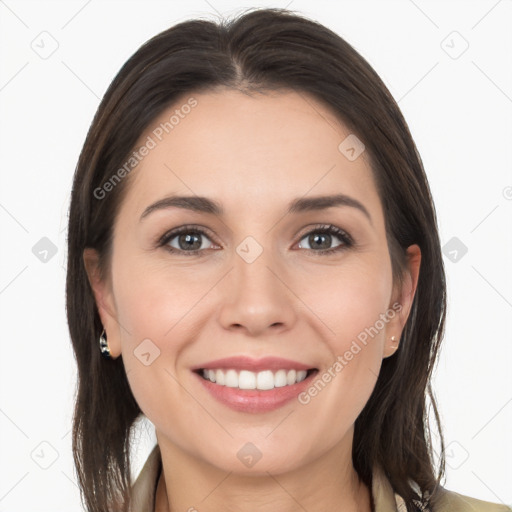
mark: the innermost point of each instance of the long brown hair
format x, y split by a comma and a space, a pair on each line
261, 49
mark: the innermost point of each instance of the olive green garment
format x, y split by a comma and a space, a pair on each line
144, 489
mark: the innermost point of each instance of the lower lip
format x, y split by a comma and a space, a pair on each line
255, 400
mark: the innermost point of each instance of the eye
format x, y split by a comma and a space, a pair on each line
320, 239
185, 240
189, 240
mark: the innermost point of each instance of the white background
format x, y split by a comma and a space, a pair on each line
459, 112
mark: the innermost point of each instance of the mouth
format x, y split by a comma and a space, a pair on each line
264, 388
263, 380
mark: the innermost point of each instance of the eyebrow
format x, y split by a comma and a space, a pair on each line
303, 204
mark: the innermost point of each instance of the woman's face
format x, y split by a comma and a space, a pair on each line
253, 283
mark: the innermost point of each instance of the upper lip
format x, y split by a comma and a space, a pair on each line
253, 365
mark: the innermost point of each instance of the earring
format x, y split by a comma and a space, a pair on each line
393, 339
104, 346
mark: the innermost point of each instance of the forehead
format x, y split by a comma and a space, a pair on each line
237, 147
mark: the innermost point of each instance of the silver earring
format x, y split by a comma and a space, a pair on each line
104, 346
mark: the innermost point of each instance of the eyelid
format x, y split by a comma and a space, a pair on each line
324, 227
171, 233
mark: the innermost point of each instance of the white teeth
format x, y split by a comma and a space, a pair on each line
291, 377
231, 379
263, 380
247, 380
301, 375
219, 377
280, 379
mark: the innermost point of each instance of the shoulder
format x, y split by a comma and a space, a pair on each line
144, 488
450, 501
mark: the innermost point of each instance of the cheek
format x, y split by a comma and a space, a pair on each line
160, 310
353, 303
154, 301
349, 299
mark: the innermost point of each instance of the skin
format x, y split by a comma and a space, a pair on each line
253, 155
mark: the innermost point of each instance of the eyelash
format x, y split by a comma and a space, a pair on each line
323, 228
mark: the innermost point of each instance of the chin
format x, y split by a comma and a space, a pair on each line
249, 460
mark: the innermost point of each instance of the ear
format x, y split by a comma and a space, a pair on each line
104, 297
402, 300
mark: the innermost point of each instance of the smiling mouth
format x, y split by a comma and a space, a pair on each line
262, 380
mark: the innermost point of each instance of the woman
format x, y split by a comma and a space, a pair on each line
254, 265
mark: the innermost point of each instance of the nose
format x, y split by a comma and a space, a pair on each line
257, 298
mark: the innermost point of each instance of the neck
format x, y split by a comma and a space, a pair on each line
328, 483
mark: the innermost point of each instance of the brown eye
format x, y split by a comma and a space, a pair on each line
188, 241
185, 240
320, 240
